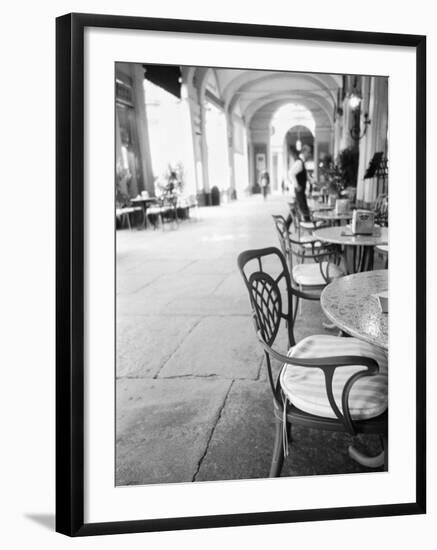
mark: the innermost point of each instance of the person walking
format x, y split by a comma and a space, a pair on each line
264, 183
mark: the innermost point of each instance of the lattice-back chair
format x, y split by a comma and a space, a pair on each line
326, 382
381, 210
321, 265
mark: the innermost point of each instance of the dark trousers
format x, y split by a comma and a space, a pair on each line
302, 206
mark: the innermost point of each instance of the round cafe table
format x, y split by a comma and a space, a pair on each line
349, 303
358, 248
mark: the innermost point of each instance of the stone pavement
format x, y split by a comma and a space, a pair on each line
192, 399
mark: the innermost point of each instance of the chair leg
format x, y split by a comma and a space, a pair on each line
369, 461
384, 443
278, 450
296, 305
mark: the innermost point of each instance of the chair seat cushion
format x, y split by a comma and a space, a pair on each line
308, 274
305, 386
154, 210
382, 247
311, 225
306, 241
127, 210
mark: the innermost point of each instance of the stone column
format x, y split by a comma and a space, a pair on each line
316, 158
375, 139
230, 137
363, 159
251, 162
203, 147
118, 153
194, 112
143, 134
338, 131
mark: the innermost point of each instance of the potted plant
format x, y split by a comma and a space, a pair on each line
347, 162
333, 181
123, 177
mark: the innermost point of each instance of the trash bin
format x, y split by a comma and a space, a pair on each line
215, 196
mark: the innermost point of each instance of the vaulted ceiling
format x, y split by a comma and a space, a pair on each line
256, 95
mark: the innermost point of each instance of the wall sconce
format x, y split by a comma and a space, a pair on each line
354, 101
355, 131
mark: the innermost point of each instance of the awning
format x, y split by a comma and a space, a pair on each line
167, 77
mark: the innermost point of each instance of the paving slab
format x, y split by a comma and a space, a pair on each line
153, 298
128, 283
183, 317
163, 428
144, 344
213, 304
233, 286
217, 346
224, 264
314, 452
242, 442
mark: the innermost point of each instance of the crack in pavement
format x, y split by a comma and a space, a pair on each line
219, 415
177, 348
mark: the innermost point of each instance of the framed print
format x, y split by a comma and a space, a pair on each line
240, 274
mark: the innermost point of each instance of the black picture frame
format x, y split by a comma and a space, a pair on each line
70, 272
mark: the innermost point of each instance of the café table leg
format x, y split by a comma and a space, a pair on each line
358, 259
145, 216
367, 258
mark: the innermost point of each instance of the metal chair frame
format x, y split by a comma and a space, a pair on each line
305, 250
268, 313
297, 222
381, 210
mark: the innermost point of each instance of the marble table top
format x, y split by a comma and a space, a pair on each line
343, 235
349, 303
331, 215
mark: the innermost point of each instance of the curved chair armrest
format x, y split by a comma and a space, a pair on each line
310, 248
346, 393
305, 295
328, 365
322, 363
312, 254
320, 224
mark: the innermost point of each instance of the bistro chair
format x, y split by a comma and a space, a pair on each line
164, 210
303, 227
381, 210
322, 267
124, 214
382, 250
326, 382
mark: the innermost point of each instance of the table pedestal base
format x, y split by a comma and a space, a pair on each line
358, 258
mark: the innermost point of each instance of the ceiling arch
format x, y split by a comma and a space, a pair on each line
265, 108
249, 85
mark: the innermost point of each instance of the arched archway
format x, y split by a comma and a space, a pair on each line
291, 125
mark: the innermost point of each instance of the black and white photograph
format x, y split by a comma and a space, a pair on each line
252, 261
